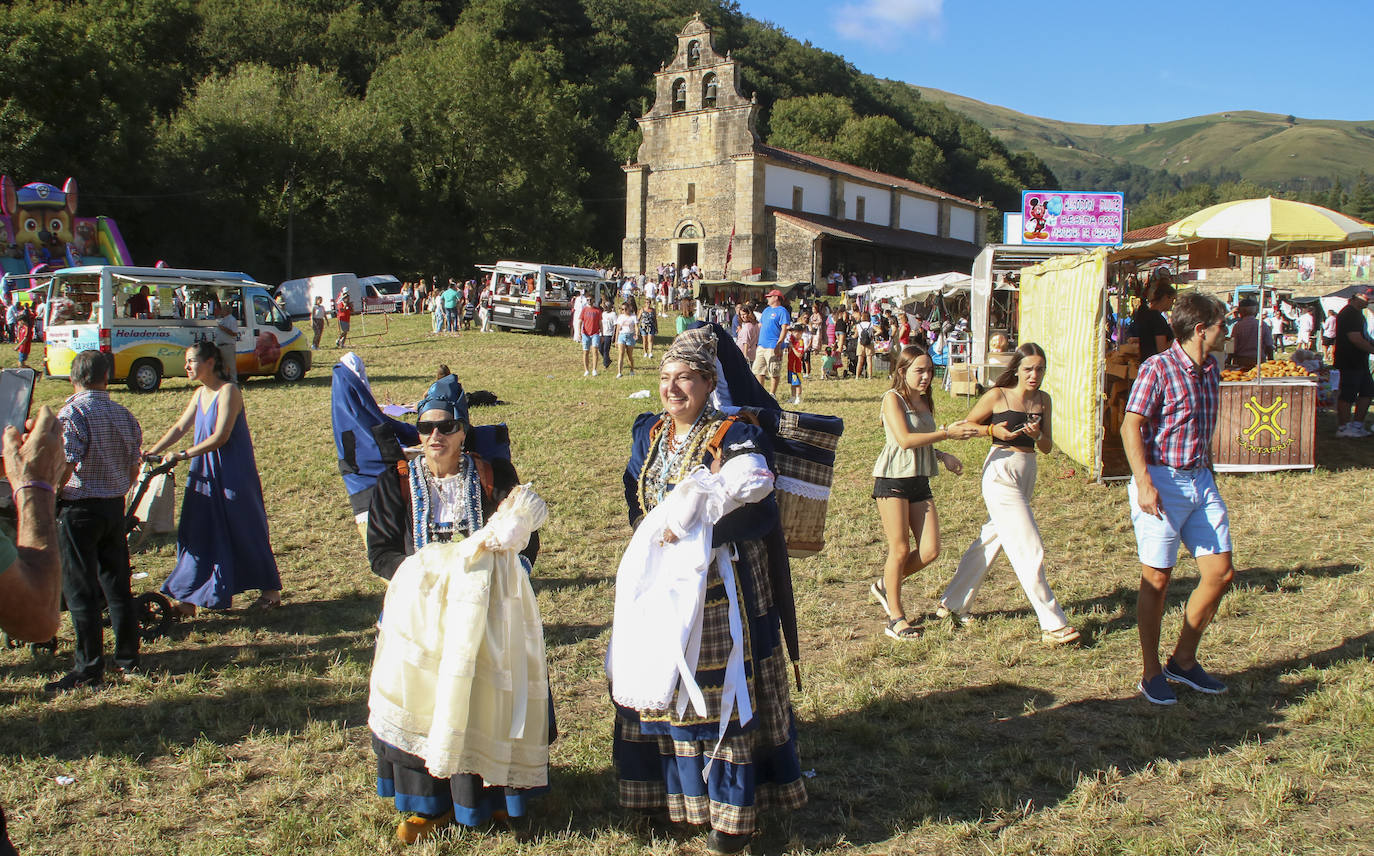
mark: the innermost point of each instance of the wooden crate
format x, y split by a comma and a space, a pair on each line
1266, 426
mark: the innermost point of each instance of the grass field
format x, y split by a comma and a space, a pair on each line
249, 735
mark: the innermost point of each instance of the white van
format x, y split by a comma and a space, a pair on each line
538, 297
146, 318
379, 293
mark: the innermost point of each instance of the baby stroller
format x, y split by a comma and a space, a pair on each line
154, 610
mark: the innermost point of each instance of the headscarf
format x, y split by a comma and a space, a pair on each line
446, 394
696, 348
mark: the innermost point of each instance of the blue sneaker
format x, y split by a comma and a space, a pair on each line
1196, 677
1157, 691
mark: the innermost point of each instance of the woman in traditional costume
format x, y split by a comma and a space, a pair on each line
460, 712
704, 721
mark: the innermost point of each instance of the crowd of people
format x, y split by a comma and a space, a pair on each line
704, 728
815, 342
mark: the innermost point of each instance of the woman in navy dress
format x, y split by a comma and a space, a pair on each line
222, 542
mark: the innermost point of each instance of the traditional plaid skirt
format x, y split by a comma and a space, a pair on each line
660, 758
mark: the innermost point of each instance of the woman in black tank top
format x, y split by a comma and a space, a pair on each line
1015, 413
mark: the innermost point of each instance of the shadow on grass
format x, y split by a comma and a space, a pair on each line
571, 634
962, 755
552, 584
968, 754
1122, 599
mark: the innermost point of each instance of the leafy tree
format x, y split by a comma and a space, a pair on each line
263, 146
490, 133
347, 37
812, 124
1362, 199
82, 82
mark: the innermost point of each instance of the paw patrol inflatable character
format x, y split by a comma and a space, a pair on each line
41, 216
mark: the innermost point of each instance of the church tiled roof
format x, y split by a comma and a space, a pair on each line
871, 233
805, 160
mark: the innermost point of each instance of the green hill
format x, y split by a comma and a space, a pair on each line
1279, 151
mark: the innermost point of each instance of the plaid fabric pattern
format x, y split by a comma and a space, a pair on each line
715, 641
771, 732
801, 469
790, 425
1180, 401
102, 438
775, 728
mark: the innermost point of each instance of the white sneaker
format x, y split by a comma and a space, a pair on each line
593, 372
1351, 429
1359, 430
618, 374
585, 373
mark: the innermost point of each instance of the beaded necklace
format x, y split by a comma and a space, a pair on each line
459, 494
668, 462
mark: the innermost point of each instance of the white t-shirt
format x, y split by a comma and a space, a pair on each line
228, 327
626, 324
607, 324
1305, 326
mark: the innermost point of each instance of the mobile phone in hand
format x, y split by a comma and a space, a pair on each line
16, 396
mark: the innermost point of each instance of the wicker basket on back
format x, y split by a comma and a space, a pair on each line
804, 453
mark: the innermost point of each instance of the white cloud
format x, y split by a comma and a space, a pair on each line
883, 22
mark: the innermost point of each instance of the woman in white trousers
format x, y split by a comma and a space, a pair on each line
1016, 415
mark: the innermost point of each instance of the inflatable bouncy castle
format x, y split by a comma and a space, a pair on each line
39, 230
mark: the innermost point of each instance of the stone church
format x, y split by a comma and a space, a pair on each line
705, 187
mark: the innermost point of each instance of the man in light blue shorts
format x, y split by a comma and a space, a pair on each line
1167, 434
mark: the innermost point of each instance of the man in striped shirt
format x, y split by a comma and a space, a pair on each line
1167, 434
101, 440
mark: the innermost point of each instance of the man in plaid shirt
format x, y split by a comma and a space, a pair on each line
1167, 434
101, 440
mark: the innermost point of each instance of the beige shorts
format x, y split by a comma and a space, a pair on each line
767, 363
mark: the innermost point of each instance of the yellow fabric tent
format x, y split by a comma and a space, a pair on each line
1063, 310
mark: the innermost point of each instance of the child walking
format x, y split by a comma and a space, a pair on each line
901, 482
796, 357
23, 335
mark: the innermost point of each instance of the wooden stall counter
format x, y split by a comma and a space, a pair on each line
1266, 426
1122, 367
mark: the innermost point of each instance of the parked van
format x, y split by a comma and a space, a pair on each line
531, 296
102, 307
378, 293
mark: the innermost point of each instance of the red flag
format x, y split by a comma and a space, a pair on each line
729, 251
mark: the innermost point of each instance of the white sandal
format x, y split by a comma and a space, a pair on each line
1063, 636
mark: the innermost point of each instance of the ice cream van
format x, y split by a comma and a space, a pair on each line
539, 297
146, 318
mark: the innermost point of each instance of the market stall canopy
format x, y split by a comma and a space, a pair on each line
1257, 227
1343, 293
709, 287
920, 287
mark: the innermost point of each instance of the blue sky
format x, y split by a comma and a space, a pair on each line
1111, 61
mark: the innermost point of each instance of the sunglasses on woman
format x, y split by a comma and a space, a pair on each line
443, 426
